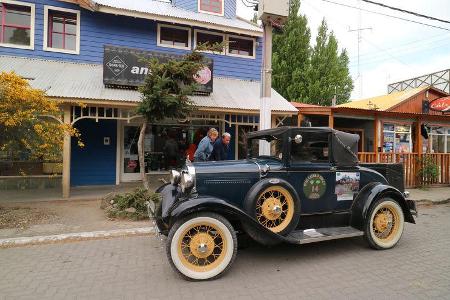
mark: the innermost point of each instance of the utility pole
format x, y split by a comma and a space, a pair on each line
359, 31
271, 12
265, 113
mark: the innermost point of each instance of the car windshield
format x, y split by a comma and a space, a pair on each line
276, 147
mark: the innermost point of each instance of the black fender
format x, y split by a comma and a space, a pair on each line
223, 208
370, 193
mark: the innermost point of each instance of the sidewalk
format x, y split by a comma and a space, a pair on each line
432, 194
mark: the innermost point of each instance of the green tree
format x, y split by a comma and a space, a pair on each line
165, 94
328, 72
291, 55
305, 74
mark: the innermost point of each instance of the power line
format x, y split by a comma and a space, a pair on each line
407, 11
249, 3
386, 15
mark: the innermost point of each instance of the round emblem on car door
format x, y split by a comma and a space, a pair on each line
314, 186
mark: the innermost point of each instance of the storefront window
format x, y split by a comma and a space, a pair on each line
440, 140
166, 146
397, 138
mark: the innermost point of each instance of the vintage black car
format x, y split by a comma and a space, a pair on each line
310, 188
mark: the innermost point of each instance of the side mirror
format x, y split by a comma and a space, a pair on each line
298, 139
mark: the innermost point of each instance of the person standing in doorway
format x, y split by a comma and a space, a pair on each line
221, 148
205, 147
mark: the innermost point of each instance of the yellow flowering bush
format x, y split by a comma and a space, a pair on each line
29, 120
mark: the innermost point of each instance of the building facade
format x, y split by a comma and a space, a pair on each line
402, 126
85, 54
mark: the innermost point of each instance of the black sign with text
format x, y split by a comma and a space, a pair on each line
128, 67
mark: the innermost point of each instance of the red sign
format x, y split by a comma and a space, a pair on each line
441, 104
132, 164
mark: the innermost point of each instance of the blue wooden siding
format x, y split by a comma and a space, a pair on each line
230, 6
95, 163
98, 29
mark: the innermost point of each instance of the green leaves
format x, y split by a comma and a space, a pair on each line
309, 74
167, 87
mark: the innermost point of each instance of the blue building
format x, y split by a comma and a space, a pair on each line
88, 51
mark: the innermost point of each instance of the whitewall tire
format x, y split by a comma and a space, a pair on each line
201, 246
385, 224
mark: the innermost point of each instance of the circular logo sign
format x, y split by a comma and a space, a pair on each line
314, 186
203, 76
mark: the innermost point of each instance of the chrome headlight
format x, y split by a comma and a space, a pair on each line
187, 179
187, 182
175, 177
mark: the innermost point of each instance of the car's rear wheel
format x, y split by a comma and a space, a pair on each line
384, 226
202, 246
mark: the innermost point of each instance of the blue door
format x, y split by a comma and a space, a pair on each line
95, 163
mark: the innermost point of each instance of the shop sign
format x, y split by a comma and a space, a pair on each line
441, 104
128, 67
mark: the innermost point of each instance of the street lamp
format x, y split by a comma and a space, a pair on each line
271, 13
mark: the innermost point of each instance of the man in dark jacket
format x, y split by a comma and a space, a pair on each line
221, 148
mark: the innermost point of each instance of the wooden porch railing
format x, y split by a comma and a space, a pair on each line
411, 165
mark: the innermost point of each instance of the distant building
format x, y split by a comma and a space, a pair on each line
397, 127
88, 51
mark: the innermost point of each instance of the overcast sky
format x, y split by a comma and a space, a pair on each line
392, 50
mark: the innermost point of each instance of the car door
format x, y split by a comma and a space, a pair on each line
310, 170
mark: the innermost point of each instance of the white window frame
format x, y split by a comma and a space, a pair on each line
158, 36
212, 33
209, 12
243, 38
32, 20
50, 49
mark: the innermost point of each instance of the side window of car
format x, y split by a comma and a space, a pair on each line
310, 148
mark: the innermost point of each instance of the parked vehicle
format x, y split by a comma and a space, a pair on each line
309, 189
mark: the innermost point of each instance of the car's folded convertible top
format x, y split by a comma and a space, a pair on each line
344, 145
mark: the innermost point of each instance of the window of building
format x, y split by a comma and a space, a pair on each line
215, 7
174, 36
62, 30
208, 38
397, 138
440, 140
17, 24
313, 148
241, 46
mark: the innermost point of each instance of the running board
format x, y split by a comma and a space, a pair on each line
322, 234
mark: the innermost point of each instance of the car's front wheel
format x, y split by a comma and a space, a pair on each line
202, 246
384, 226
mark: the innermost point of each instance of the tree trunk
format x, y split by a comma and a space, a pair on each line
142, 156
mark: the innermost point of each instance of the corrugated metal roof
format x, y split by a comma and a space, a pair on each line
383, 102
168, 10
85, 81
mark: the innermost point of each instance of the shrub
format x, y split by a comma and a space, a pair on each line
132, 205
428, 170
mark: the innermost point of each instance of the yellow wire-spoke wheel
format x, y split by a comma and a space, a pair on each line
275, 208
202, 247
386, 223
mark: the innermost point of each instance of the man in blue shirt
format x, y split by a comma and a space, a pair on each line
205, 147
221, 148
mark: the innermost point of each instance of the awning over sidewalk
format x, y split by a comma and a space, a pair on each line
73, 81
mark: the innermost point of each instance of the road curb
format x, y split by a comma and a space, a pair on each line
432, 202
76, 236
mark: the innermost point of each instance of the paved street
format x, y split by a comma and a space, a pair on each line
136, 267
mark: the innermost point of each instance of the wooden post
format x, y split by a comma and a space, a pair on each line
331, 120
419, 141
300, 119
376, 138
66, 156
